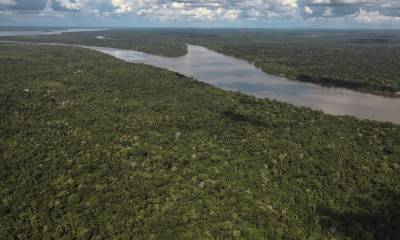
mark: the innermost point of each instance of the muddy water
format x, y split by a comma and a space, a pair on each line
234, 74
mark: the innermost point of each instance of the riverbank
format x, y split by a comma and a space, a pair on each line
94, 146
329, 58
234, 74
365, 61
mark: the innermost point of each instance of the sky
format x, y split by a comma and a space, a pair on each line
202, 13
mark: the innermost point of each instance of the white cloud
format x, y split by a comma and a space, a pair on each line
339, 1
123, 6
290, 3
232, 15
231, 10
7, 2
365, 16
357, 11
205, 9
308, 10
75, 5
48, 10
328, 12
178, 5
319, 2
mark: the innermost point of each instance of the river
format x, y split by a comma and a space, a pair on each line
8, 33
238, 75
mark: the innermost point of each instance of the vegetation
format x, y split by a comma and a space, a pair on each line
145, 40
363, 60
93, 147
366, 61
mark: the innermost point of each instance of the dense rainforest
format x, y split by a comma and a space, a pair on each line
96, 148
363, 60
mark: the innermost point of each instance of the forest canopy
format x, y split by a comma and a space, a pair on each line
363, 60
96, 148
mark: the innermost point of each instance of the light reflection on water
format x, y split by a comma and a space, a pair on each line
234, 74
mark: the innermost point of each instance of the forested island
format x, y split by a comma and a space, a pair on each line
362, 60
96, 148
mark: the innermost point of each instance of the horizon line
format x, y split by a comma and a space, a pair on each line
201, 27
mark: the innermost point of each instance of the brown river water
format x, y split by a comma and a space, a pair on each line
238, 75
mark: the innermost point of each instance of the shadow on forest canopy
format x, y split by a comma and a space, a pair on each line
367, 216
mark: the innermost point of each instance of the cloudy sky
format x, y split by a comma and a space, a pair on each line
203, 13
